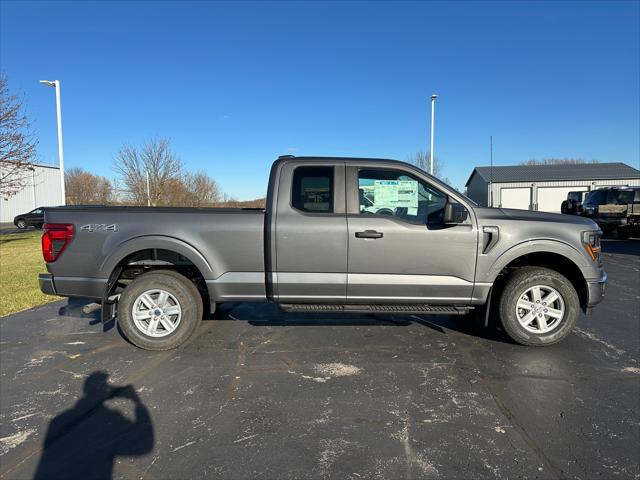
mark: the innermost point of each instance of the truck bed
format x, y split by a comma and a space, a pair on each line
226, 245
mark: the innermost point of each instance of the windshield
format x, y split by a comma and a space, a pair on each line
596, 197
624, 197
609, 197
575, 196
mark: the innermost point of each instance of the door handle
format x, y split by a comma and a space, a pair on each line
369, 234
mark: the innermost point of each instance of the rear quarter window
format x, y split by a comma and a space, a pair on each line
312, 189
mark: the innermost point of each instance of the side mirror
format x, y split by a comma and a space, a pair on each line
454, 213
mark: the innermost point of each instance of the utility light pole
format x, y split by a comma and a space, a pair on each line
33, 185
433, 108
148, 190
56, 84
491, 171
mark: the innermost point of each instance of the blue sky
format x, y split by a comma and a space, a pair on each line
234, 85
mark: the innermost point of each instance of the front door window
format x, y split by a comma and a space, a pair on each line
397, 194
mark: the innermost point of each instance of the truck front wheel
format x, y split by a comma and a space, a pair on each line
538, 306
159, 310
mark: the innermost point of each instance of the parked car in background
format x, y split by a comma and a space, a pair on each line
573, 204
34, 218
337, 235
614, 209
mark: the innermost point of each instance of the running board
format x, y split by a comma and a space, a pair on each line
417, 308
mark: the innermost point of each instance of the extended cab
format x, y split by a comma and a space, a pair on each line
337, 235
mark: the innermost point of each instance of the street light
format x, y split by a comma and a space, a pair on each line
148, 190
56, 84
433, 108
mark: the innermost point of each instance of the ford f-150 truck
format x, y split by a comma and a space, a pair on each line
337, 235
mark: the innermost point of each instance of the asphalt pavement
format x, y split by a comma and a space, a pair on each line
263, 394
6, 228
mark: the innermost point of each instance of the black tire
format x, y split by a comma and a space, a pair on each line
21, 224
185, 294
517, 284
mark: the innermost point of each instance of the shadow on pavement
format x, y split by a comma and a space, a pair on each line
622, 247
270, 315
261, 315
84, 441
74, 308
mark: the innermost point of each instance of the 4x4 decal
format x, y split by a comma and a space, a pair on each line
97, 227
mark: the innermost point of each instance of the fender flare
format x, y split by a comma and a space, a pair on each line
162, 242
535, 246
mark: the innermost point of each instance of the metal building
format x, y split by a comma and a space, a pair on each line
543, 187
43, 190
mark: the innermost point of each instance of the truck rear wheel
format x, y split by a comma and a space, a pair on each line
538, 306
159, 310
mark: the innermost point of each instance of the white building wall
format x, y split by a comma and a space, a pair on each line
588, 185
42, 190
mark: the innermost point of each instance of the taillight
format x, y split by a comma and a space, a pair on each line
55, 239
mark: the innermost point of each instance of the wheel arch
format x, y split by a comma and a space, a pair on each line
141, 255
155, 242
552, 255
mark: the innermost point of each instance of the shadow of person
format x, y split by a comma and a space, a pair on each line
84, 441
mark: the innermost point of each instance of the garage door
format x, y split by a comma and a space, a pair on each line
550, 198
515, 198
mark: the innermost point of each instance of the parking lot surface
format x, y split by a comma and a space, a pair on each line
263, 394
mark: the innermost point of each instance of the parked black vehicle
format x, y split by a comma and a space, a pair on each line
34, 218
573, 204
632, 227
613, 209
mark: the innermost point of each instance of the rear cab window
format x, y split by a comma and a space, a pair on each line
312, 189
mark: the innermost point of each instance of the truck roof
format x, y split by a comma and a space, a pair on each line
337, 159
286, 158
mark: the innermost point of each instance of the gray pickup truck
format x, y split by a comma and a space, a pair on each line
337, 235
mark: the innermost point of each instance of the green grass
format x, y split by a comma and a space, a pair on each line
20, 262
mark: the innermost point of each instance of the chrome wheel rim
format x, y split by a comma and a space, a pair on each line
156, 313
540, 309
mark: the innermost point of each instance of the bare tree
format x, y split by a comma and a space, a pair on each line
201, 188
558, 161
84, 188
17, 144
421, 160
193, 190
156, 159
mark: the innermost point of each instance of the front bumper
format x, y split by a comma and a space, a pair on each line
46, 283
596, 290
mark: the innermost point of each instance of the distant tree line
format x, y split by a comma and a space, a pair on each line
151, 174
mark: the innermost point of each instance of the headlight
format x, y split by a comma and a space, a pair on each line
591, 242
